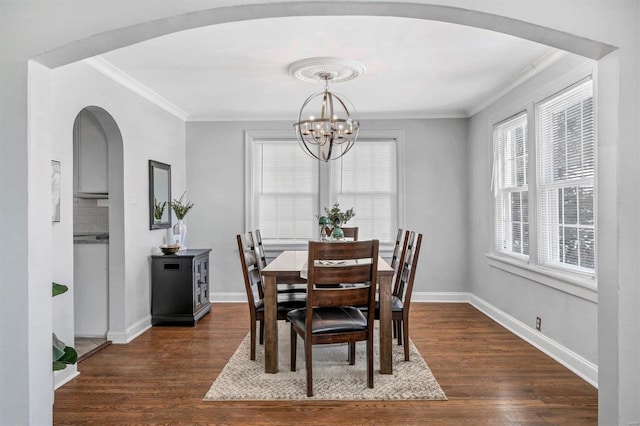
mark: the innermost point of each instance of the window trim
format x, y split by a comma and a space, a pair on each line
571, 282
398, 135
540, 186
503, 192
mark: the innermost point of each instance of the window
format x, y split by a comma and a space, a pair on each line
566, 152
544, 190
365, 179
286, 188
511, 186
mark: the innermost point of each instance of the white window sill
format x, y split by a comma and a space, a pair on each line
580, 286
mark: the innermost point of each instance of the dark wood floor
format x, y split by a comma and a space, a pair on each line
489, 375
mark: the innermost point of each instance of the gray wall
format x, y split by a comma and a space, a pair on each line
567, 319
435, 197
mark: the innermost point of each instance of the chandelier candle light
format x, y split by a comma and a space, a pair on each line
331, 133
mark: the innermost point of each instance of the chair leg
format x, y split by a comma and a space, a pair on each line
262, 332
405, 330
294, 344
252, 332
370, 362
352, 353
308, 364
399, 328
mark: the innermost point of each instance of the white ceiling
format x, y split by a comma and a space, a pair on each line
414, 68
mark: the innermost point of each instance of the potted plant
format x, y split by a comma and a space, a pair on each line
63, 355
337, 218
180, 207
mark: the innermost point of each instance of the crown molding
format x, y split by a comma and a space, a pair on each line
399, 115
524, 75
116, 74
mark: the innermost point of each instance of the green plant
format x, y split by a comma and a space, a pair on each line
180, 207
63, 355
337, 217
158, 208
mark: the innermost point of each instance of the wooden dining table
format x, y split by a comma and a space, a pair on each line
286, 268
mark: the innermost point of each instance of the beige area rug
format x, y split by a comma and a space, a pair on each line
333, 377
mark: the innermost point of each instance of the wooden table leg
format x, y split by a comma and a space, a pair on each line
386, 340
270, 325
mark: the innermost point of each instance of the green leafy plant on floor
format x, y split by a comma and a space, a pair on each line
63, 355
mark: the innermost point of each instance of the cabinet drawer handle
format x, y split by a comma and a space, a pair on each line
171, 266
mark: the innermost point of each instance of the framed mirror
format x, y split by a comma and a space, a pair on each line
159, 195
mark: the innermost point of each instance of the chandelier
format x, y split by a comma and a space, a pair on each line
326, 128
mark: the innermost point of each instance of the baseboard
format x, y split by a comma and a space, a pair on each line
441, 297
130, 333
64, 376
573, 361
231, 297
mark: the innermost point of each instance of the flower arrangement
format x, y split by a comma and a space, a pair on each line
180, 207
158, 208
336, 217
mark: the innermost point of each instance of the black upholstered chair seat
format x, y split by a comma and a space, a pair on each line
331, 319
286, 303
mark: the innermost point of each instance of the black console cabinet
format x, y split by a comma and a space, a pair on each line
180, 287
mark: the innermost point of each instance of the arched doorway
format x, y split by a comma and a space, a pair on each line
99, 238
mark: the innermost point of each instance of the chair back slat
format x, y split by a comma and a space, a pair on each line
340, 273
404, 282
262, 259
396, 251
250, 270
342, 296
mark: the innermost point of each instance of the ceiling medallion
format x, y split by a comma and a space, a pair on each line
328, 132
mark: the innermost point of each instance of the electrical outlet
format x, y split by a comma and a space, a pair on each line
538, 323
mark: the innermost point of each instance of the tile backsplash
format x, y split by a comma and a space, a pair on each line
90, 216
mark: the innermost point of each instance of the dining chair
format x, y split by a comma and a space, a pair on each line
330, 315
402, 290
295, 286
351, 232
255, 290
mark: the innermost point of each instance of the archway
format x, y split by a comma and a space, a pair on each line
110, 305
118, 38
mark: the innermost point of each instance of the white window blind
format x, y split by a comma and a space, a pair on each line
285, 190
366, 179
511, 186
566, 152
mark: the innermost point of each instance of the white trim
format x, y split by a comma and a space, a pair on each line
381, 115
227, 297
525, 74
130, 333
109, 70
62, 377
573, 361
577, 285
441, 297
